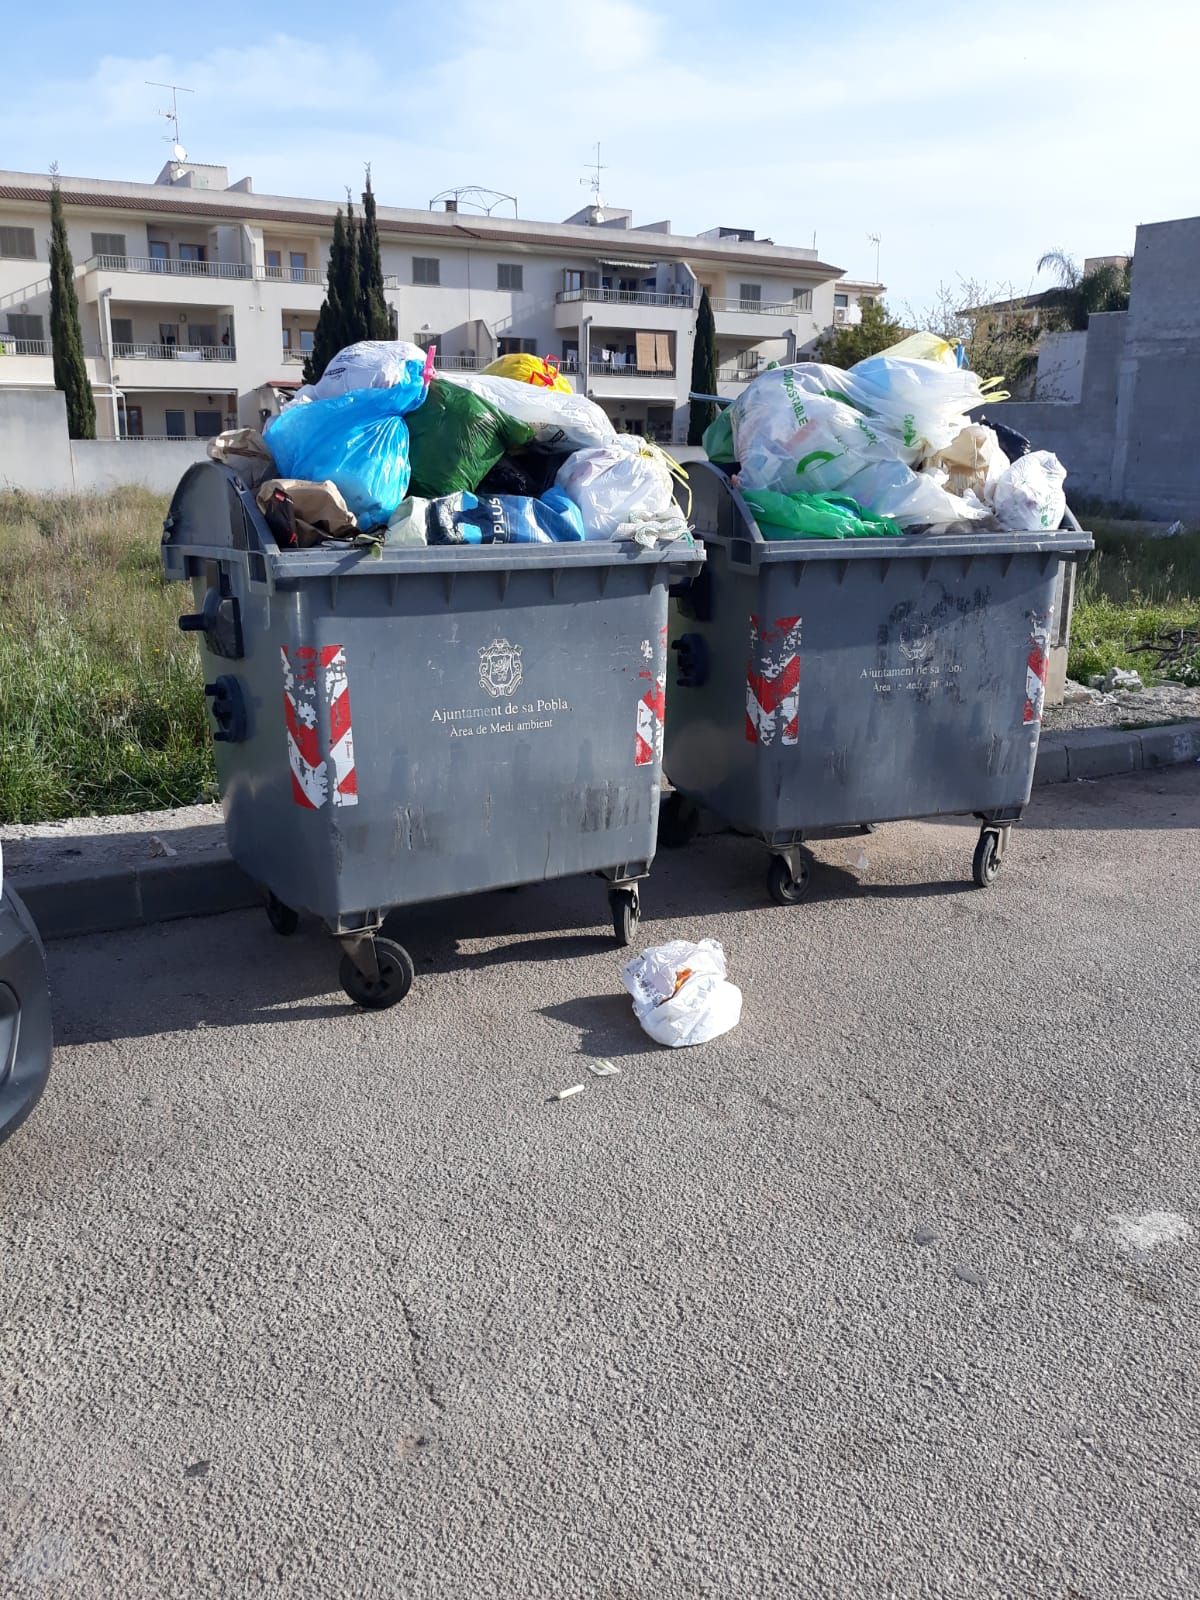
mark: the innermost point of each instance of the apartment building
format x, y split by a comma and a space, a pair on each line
199, 298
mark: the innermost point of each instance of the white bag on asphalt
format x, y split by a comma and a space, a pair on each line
626, 480
1029, 495
680, 993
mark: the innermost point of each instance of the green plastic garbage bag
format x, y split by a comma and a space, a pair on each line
456, 438
718, 437
815, 516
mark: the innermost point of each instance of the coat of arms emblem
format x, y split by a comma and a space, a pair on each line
500, 668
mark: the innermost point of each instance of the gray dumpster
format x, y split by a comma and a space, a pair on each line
414, 723
837, 683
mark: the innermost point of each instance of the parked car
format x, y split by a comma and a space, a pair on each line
26, 1039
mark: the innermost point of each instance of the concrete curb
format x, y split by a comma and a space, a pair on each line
104, 898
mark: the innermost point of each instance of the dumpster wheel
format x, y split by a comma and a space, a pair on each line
989, 856
390, 981
282, 918
785, 886
626, 914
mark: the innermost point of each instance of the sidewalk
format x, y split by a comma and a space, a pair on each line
96, 874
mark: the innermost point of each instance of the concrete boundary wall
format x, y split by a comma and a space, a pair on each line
37, 456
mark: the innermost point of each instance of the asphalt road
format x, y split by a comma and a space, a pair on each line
891, 1292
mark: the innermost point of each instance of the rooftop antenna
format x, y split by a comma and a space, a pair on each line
172, 116
593, 183
873, 238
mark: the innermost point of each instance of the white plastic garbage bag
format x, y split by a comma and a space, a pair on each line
369, 364
891, 489
627, 480
681, 995
924, 403
1029, 494
571, 419
974, 461
785, 431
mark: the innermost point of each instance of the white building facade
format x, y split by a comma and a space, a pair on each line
199, 298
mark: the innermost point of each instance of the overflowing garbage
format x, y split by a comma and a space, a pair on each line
384, 449
885, 446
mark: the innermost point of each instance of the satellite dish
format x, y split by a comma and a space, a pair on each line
179, 152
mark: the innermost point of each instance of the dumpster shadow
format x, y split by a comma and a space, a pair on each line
606, 1023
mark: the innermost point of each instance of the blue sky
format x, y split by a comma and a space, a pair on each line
970, 137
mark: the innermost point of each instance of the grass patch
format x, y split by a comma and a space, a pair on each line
1136, 595
101, 697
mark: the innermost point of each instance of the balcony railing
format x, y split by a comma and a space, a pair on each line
174, 352
738, 374
23, 347
766, 308
626, 297
295, 357
241, 270
617, 369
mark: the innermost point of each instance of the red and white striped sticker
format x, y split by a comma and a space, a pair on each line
1037, 664
773, 682
652, 705
316, 694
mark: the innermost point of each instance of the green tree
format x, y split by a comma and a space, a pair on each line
66, 335
1079, 294
372, 307
704, 371
842, 347
334, 319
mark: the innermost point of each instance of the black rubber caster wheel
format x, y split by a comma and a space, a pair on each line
678, 820
626, 915
783, 888
395, 978
866, 827
282, 918
985, 868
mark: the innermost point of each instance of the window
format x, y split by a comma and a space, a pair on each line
109, 244
306, 338
194, 253
517, 347
424, 340
426, 269
168, 333
25, 327
208, 424
866, 299
287, 338
17, 244
202, 334
510, 276
750, 294
176, 424
274, 263
841, 301
122, 330
160, 251
802, 299
570, 353
298, 261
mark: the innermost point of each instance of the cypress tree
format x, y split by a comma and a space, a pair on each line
704, 371
373, 308
329, 337
66, 335
353, 326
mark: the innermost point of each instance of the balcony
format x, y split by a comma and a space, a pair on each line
633, 308
23, 347
625, 297
295, 357
171, 267
757, 319
612, 380
174, 352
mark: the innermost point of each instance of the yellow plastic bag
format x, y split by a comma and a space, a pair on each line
541, 371
923, 347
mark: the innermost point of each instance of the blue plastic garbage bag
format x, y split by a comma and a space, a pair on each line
359, 441
466, 518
